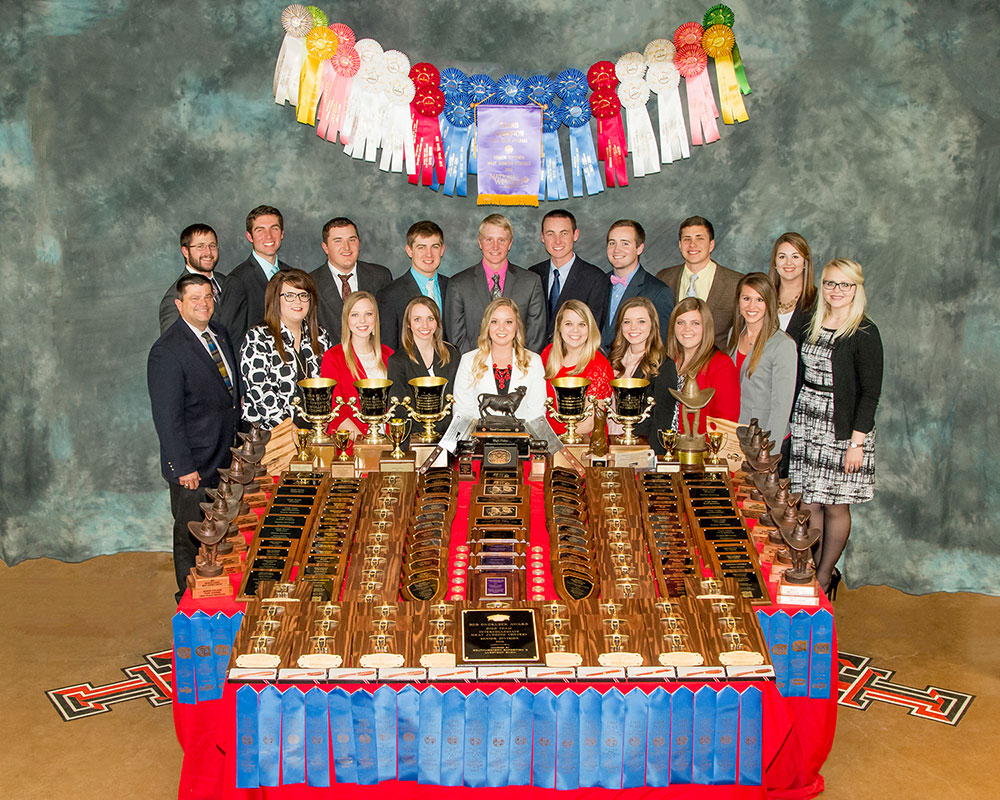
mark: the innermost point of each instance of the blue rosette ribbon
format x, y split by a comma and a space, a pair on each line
541, 89
512, 90
454, 82
482, 88
575, 115
552, 183
571, 83
456, 130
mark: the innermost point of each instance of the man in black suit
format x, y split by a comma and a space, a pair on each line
424, 246
566, 276
243, 300
200, 249
343, 273
193, 383
626, 241
473, 289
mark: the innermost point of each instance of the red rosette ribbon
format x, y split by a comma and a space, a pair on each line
611, 146
688, 33
428, 103
424, 75
602, 76
690, 60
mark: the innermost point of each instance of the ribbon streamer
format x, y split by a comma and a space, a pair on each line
429, 737
385, 732
702, 745
204, 663
821, 654
222, 640
429, 163
702, 112
727, 723
363, 718
184, 685
798, 654
293, 736
723, 15
612, 734
366, 109
718, 43
247, 741
317, 738
452, 737
408, 715
552, 183
664, 80
476, 747
658, 739
520, 737
575, 114
456, 131
778, 640
398, 145
345, 763
269, 732
337, 77
590, 737
498, 736
568, 731
751, 737
297, 22
612, 147
543, 759
634, 773
321, 44
634, 94
681, 734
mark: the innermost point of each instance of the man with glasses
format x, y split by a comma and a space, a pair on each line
200, 249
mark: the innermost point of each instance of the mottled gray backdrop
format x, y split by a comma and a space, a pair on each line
873, 131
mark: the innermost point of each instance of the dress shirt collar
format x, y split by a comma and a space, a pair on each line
703, 284
270, 270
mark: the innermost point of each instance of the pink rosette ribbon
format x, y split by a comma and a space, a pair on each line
338, 76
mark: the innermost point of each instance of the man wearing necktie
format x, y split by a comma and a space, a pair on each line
626, 242
343, 273
471, 290
194, 393
424, 247
200, 250
243, 298
700, 276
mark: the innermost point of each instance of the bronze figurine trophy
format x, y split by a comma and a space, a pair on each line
316, 406
570, 406
691, 446
629, 409
208, 578
374, 407
429, 405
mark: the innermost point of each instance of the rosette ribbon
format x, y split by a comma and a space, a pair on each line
457, 129
321, 44
481, 88
601, 76
429, 165
718, 42
366, 108
575, 114
723, 15
606, 107
337, 76
297, 22
664, 80
552, 184
634, 94
691, 62
397, 137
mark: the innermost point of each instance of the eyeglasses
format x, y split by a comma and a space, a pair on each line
200, 247
842, 285
302, 297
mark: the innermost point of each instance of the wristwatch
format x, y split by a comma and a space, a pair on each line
854, 445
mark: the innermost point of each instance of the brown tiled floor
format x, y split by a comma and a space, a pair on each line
71, 623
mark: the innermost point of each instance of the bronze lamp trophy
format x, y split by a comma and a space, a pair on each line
430, 404
629, 409
570, 406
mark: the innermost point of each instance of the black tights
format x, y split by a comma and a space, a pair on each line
835, 523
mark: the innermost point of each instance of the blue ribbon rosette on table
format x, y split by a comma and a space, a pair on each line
574, 113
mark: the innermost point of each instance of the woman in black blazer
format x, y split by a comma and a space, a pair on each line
422, 353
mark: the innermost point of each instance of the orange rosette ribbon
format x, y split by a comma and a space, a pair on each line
321, 44
718, 41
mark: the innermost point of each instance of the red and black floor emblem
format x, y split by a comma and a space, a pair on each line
151, 681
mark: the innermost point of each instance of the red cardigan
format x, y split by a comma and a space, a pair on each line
720, 373
599, 372
335, 366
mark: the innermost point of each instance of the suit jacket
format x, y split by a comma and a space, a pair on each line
194, 413
402, 369
586, 282
392, 300
371, 278
467, 391
468, 296
168, 309
721, 297
243, 299
643, 284
769, 392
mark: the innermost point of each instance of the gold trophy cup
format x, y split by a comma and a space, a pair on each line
316, 405
629, 409
399, 429
668, 438
715, 442
570, 407
430, 404
374, 407
341, 439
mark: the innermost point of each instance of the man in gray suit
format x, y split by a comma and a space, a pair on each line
470, 291
200, 250
700, 276
343, 273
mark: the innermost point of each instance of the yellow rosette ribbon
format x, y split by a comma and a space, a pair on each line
321, 44
718, 42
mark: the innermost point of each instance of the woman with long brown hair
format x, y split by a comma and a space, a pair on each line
791, 273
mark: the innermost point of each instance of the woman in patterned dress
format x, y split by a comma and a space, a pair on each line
285, 348
574, 353
833, 424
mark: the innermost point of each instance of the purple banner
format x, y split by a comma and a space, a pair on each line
510, 154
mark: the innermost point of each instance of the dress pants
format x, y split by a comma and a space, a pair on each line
184, 505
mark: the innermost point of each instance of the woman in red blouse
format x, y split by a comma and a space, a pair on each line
359, 355
574, 353
690, 343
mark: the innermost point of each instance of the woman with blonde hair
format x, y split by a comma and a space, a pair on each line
574, 353
691, 345
500, 364
833, 424
359, 355
765, 356
791, 274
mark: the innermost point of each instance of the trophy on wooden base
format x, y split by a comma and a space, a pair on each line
668, 461
207, 577
691, 445
570, 406
629, 409
398, 460
429, 406
374, 407
316, 406
303, 461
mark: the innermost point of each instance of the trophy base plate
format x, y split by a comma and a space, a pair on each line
208, 587
342, 469
720, 467
667, 466
367, 456
406, 464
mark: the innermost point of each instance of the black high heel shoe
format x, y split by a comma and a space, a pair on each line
831, 592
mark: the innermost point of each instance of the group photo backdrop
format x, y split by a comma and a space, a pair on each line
872, 132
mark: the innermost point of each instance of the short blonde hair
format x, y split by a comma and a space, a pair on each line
500, 221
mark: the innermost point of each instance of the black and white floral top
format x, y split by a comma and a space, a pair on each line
269, 383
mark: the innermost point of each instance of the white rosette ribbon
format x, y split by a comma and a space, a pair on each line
634, 93
363, 118
398, 144
297, 22
664, 80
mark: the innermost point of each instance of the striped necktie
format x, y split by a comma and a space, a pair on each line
217, 358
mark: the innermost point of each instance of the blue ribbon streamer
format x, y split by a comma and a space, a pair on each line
821, 654
476, 719
612, 733
568, 731
634, 774
452, 737
184, 688
575, 114
247, 739
543, 770
552, 183
681, 734
317, 738
345, 763
204, 663
385, 732
704, 735
222, 641
590, 738
407, 741
798, 654
498, 735
235, 621
363, 716
293, 737
457, 136
751, 737
520, 737
269, 733
779, 638
727, 736
765, 624
429, 737
658, 739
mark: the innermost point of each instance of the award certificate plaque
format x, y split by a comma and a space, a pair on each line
499, 636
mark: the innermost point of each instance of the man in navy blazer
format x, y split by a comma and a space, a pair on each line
243, 300
195, 404
343, 273
473, 289
566, 276
200, 251
626, 241
424, 246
